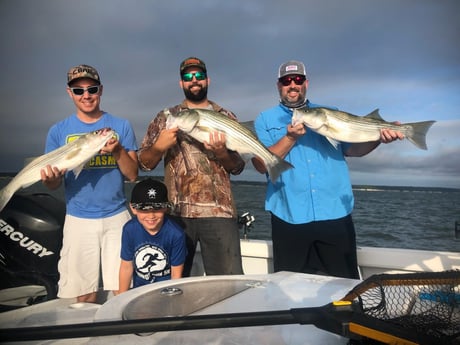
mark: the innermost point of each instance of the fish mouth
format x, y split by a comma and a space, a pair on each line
103, 131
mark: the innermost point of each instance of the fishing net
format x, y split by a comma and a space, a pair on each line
424, 307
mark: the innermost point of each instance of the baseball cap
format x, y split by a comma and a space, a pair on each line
291, 67
82, 71
192, 62
150, 194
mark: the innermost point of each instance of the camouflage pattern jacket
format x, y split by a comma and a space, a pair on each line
198, 185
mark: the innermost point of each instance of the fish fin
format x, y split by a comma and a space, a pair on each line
73, 153
277, 167
418, 134
77, 170
333, 142
246, 156
375, 115
249, 125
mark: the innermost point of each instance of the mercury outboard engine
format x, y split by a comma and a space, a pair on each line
31, 238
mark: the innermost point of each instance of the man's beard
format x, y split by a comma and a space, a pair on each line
196, 97
297, 104
300, 102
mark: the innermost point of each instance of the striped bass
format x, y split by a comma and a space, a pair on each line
72, 156
341, 126
199, 123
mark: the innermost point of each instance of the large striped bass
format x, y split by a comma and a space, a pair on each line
72, 156
199, 123
341, 126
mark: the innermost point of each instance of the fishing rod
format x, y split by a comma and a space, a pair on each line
404, 309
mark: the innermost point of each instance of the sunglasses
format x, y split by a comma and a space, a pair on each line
198, 76
92, 90
297, 79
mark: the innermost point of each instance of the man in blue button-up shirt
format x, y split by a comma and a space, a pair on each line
311, 204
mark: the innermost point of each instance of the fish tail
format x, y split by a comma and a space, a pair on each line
276, 167
5, 196
418, 134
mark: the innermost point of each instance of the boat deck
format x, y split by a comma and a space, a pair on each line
200, 296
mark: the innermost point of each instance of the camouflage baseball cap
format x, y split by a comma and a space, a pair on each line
192, 62
82, 71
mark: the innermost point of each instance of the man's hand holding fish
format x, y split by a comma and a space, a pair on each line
51, 176
388, 135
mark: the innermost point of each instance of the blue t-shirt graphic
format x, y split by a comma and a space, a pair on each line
152, 255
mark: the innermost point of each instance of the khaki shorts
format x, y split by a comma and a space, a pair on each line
90, 247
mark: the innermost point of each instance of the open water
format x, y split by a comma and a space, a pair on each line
397, 217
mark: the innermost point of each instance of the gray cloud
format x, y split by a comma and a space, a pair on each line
399, 56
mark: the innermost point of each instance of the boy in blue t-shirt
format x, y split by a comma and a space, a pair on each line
152, 246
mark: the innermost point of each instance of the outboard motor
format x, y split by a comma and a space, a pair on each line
31, 239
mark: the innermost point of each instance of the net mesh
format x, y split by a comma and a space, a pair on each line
426, 304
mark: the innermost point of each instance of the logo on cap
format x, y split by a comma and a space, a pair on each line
82, 71
152, 193
291, 68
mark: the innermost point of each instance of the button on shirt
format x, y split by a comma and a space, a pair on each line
318, 187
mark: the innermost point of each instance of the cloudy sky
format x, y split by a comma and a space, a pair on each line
401, 56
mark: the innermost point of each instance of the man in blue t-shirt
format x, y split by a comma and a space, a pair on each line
311, 204
96, 207
153, 246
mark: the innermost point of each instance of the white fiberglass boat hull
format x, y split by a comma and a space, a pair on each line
271, 292
257, 256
